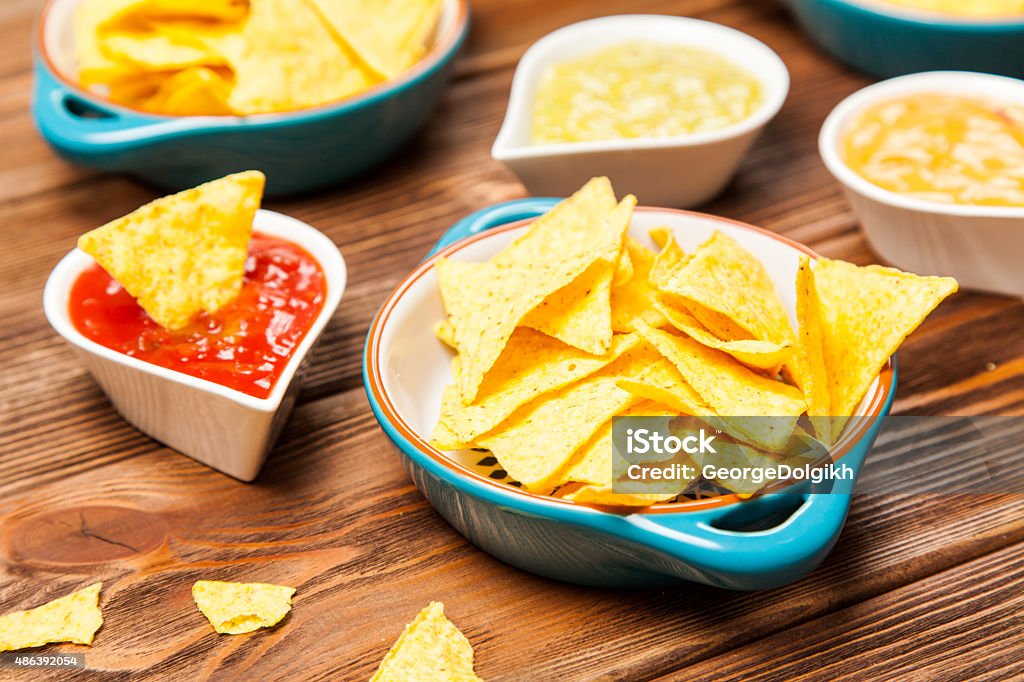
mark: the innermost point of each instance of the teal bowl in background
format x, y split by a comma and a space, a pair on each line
298, 151
891, 41
760, 543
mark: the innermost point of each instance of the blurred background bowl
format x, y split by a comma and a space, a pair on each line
981, 246
298, 151
887, 40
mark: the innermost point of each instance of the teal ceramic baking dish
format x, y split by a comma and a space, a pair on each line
759, 543
298, 151
887, 40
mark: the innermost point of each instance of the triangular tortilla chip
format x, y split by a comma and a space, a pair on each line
532, 365
663, 384
809, 362
759, 355
868, 312
237, 608
486, 301
184, 253
724, 278
537, 441
430, 649
580, 313
389, 36
765, 410
73, 618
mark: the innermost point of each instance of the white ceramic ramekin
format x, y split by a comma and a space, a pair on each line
218, 426
680, 171
981, 246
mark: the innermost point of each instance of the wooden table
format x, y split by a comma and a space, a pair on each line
918, 586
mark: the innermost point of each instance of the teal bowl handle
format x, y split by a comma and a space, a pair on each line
494, 216
84, 126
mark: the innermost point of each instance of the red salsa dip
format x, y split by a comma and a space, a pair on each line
245, 345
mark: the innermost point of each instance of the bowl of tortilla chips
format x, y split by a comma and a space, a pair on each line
499, 365
311, 92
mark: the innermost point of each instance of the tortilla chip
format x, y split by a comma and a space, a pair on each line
867, 313
580, 313
538, 440
390, 36
486, 301
594, 463
663, 384
532, 365
760, 355
445, 333
723, 278
185, 253
809, 365
237, 608
670, 259
660, 236
284, 58
443, 438
624, 269
430, 649
767, 410
72, 618
633, 299
196, 91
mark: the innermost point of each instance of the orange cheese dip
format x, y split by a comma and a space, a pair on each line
951, 149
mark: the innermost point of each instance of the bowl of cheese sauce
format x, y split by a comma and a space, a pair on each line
933, 166
666, 104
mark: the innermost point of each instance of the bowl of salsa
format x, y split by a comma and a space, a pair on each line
220, 388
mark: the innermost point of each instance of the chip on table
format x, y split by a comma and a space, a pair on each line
73, 618
237, 608
430, 649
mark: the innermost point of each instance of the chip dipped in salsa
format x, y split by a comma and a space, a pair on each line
245, 345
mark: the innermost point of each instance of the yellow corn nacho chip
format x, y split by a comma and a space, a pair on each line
867, 313
580, 313
767, 410
538, 440
184, 253
624, 270
724, 278
388, 35
809, 365
633, 299
430, 649
445, 333
532, 365
192, 92
72, 618
237, 608
593, 463
660, 236
663, 384
760, 355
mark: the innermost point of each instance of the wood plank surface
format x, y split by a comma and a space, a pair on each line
914, 582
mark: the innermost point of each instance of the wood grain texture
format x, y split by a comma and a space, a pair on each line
914, 583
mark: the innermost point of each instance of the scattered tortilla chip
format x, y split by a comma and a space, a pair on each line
538, 440
185, 253
868, 312
723, 278
430, 649
389, 36
237, 608
580, 313
760, 355
633, 299
766, 410
532, 365
809, 366
73, 618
